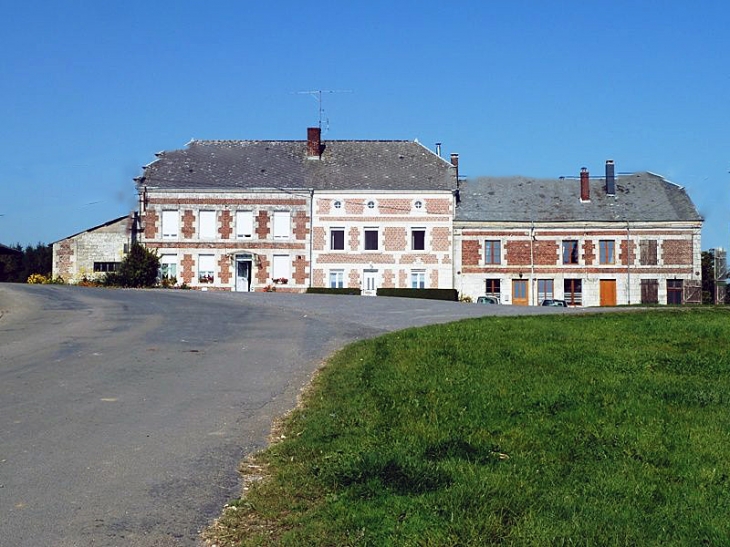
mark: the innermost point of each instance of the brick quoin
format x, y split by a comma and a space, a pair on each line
319, 238
324, 206
188, 229
434, 279
388, 279
395, 238
402, 278
589, 252
517, 252
226, 220
301, 231
631, 254
64, 258
224, 269
354, 239
318, 278
187, 265
300, 270
262, 227
545, 252
470, 252
676, 251
353, 280
150, 223
441, 239
262, 274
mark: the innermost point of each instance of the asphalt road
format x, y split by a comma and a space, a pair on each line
124, 413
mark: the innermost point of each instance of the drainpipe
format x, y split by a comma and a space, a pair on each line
628, 262
533, 285
311, 231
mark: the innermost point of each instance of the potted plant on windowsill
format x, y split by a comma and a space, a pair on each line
280, 280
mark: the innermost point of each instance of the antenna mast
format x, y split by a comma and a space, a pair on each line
317, 96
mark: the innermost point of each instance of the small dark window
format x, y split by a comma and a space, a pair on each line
492, 287
649, 291
371, 240
337, 239
104, 267
573, 292
674, 291
418, 240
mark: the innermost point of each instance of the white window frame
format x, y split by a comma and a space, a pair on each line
170, 224
336, 279
418, 279
282, 224
244, 224
168, 266
281, 267
206, 224
206, 268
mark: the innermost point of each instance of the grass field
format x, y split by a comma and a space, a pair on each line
605, 429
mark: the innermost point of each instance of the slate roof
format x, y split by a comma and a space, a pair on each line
639, 197
344, 165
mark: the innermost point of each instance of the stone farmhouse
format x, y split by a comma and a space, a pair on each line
255, 215
592, 242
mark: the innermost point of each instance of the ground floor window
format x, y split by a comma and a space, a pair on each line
418, 279
544, 290
337, 279
281, 268
106, 266
649, 291
573, 292
492, 287
674, 291
206, 268
168, 269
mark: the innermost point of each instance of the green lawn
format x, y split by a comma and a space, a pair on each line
605, 429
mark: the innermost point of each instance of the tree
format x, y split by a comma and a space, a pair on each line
138, 269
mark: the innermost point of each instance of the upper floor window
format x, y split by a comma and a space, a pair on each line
570, 251
606, 251
418, 239
493, 252
418, 204
244, 224
337, 204
282, 224
371, 204
337, 239
170, 224
371, 239
648, 255
206, 224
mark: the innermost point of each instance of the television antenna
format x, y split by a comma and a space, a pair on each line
317, 96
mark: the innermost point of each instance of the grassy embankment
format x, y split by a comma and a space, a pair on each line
590, 430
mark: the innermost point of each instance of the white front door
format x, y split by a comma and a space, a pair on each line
369, 282
243, 275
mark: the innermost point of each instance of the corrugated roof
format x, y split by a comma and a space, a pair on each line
639, 197
344, 165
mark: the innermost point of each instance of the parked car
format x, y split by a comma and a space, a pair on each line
487, 300
553, 302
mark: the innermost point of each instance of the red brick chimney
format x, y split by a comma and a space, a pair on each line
314, 142
585, 189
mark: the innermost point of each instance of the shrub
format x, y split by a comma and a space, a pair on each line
328, 290
430, 294
138, 269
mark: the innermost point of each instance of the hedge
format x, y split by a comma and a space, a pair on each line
430, 294
328, 290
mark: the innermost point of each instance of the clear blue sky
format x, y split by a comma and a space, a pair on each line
91, 90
